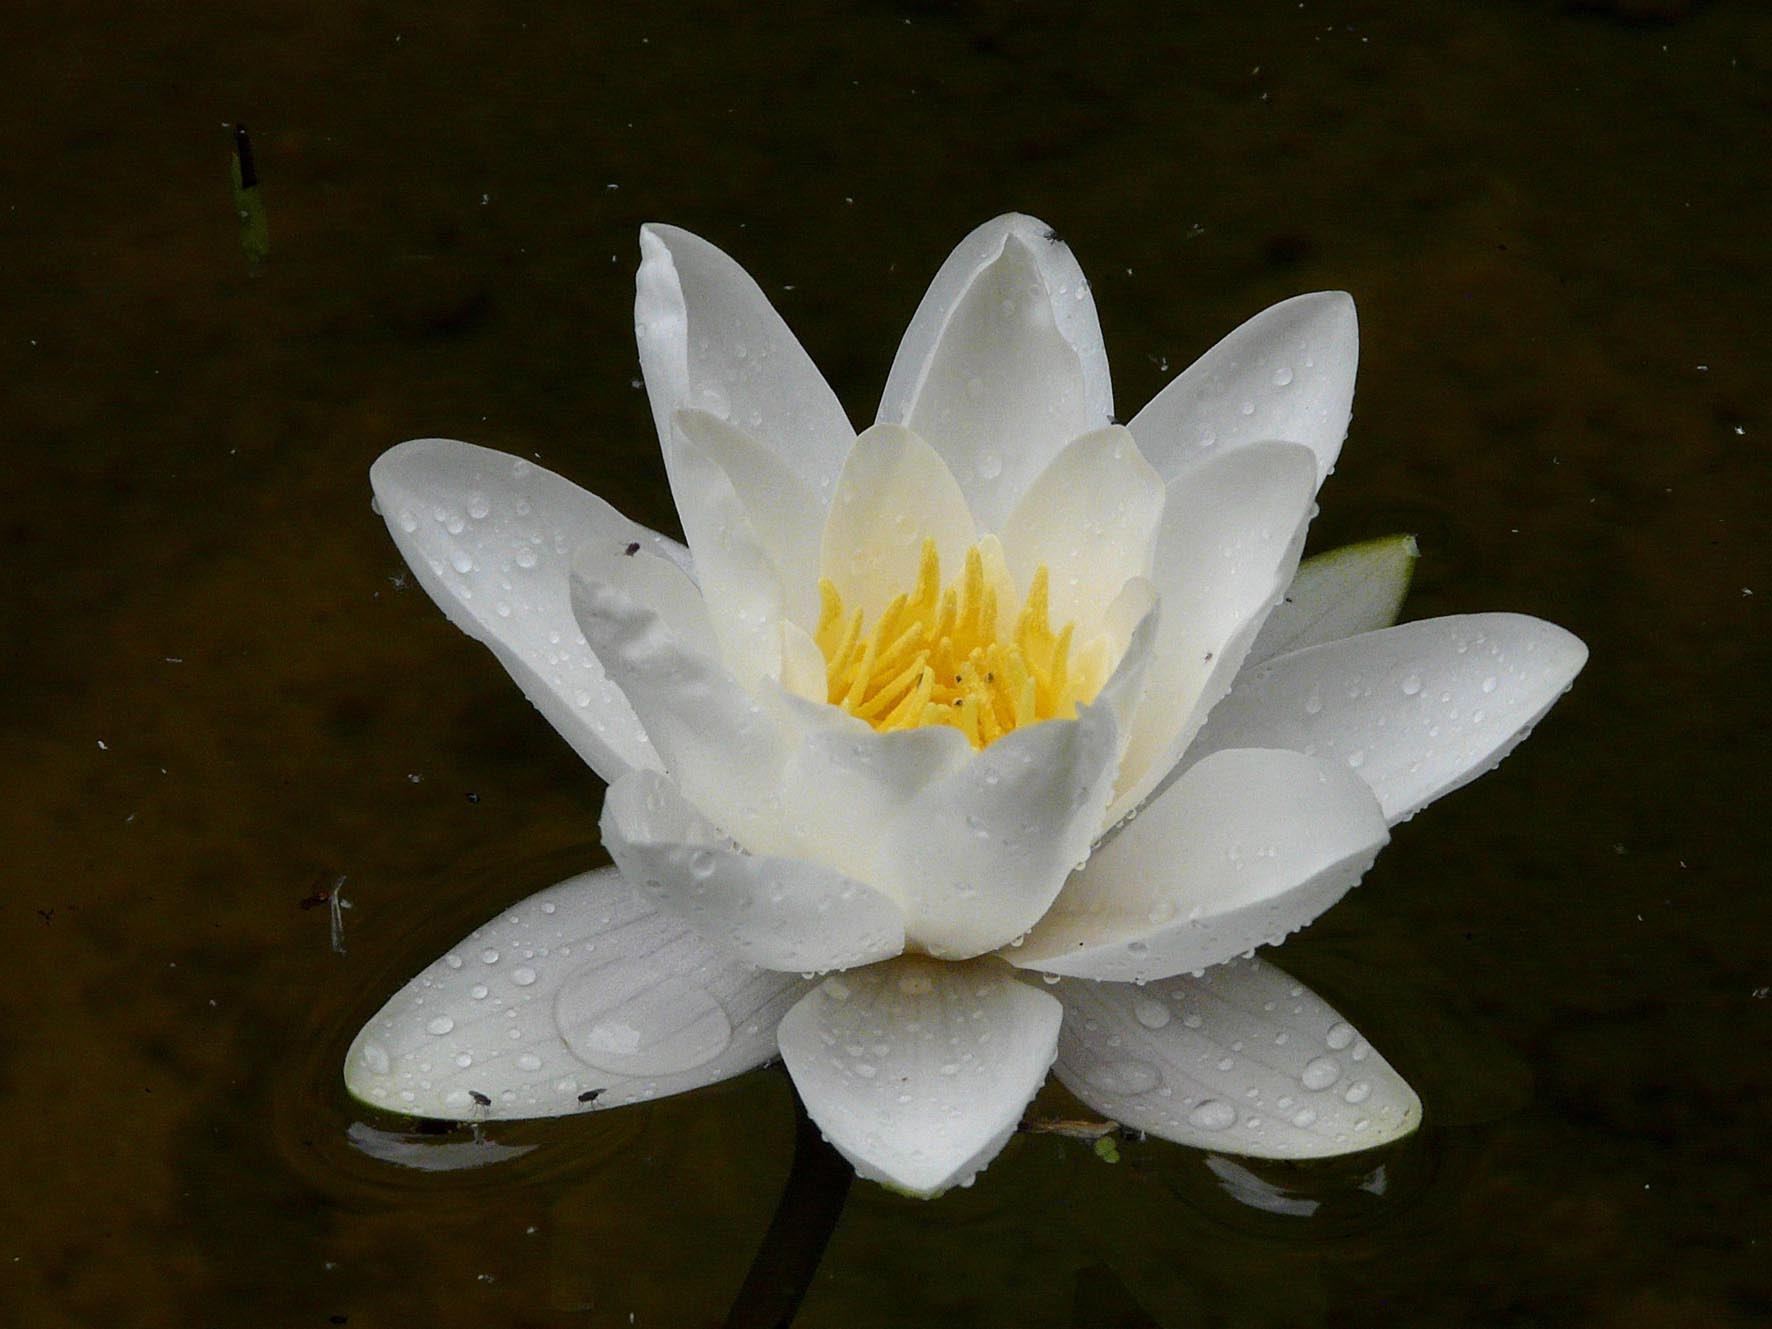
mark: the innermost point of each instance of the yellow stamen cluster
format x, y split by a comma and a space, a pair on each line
948, 657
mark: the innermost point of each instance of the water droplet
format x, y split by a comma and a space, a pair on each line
441, 1025
375, 1057
1213, 1115
1151, 1014
528, 1061
1356, 759
701, 865
463, 1060
1340, 1034
1412, 685
990, 466
1313, 704
478, 507
628, 1019
461, 561
489, 956
408, 522
1126, 1076
1358, 1092
1282, 377
1320, 1073
523, 976
525, 557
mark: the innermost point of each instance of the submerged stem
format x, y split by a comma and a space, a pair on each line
805, 1217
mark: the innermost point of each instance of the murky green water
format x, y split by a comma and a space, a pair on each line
224, 697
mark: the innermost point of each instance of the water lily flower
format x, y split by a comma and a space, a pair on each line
987, 739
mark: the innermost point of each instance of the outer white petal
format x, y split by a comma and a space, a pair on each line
1231, 532
1288, 373
1091, 517
1003, 363
785, 514
1339, 593
1417, 710
1247, 846
894, 494
977, 857
710, 340
776, 913
918, 1071
582, 994
723, 750
739, 579
490, 537
1242, 1060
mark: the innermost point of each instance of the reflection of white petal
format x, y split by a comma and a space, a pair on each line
1245, 847
1288, 373
1242, 1060
1231, 532
1418, 710
777, 913
710, 340
582, 994
426, 1153
1245, 1187
1091, 518
1002, 364
918, 1071
491, 538
1339, 593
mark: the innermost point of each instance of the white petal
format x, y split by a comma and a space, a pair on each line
1417, 710
1242, 1060
847, 784
656, 582
582, 993
785, 514
1091, 517
1003, 363
491, 538
739, 580
894, 494
1340, 593
776, 913
719, 745
918, 1071
803, 670
1229, 540
978, 856
1288, 373
710, 340
1247, 846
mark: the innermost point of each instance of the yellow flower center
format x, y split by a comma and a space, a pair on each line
949, 655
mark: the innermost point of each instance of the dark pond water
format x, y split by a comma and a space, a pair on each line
223, 697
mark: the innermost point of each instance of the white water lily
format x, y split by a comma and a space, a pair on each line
945, 752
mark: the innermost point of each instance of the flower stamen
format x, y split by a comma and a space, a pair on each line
940, 656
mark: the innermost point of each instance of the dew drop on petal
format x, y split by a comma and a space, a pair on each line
1320, 1073
628, 1019
1152, 1014
1213, 1115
